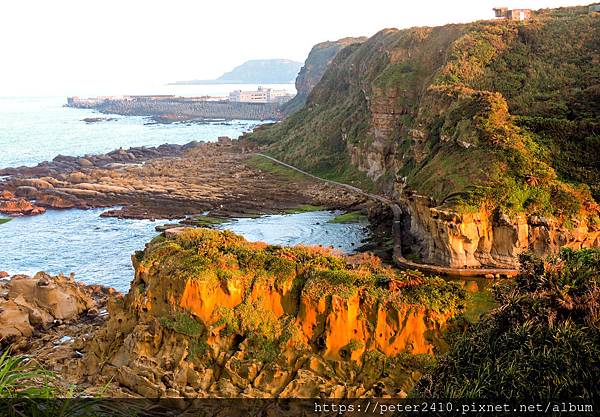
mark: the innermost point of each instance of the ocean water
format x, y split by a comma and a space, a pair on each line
36, 129
33, 130
98, 249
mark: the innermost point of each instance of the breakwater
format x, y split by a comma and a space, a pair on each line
168, 108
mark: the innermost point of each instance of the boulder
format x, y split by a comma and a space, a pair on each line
6, 195
26, 191
85, 163
39, 302
20, 206
54, 201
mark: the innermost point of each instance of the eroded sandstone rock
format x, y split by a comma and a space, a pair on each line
38, 302
462, 240
210, 314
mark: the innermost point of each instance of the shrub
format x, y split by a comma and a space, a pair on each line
542, 342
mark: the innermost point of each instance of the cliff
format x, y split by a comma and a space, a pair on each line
485, 133
256, 71
314, 67
210, 314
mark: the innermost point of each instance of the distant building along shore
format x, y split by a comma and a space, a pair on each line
262, 95
261, 104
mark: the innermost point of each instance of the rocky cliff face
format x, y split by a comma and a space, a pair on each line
489, 121
464, 240
210, 314
316, 63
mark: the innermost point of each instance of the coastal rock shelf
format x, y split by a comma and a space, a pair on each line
30, 190
168, 182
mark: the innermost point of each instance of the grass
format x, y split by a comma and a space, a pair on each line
304, 208
264, 164
4, 220
349, 217
19, 377
182, 323
542, 342
209, 220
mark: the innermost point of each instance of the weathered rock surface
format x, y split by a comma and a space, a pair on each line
442, 236
215, 177
50, 319
19, 206
34, 303
209, 314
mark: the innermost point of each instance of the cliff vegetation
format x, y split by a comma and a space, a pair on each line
542, 342
210, 313
478, 116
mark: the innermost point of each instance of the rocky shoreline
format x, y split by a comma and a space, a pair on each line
172, 335
170, 181
51, 318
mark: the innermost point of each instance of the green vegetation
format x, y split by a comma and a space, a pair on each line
4, 220
30, 390
542, 342
20, 377
222, 256
486, 115
349, 217
264, 164
221, 259
182, 323
304, 208
208, 221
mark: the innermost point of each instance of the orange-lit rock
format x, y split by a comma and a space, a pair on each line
210, 314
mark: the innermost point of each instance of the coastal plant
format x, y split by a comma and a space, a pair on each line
21, 377
182, 323
27, 389
541, 342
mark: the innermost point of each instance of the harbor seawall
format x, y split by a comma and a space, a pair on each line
173, 108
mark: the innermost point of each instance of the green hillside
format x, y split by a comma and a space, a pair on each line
487, 114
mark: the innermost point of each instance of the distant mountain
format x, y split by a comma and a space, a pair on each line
256, 71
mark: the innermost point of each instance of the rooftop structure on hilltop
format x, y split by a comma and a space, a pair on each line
514, 14
594, 8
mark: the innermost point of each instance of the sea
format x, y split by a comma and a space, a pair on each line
97, 249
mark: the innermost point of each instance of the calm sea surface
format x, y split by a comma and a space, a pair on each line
98, 249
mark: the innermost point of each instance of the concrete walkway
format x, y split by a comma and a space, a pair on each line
399, 260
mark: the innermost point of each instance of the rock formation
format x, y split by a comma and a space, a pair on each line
210, 314
40, 302
174, 181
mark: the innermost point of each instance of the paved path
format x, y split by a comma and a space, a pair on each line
399, 260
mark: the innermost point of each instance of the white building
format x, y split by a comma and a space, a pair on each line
262, 95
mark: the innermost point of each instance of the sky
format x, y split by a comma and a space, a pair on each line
72, 47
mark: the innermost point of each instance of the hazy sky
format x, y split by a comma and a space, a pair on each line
72, 47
